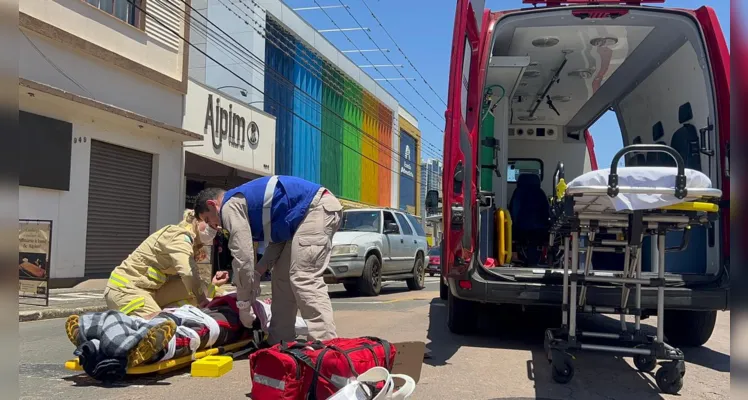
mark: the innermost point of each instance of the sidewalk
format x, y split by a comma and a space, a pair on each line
87, 297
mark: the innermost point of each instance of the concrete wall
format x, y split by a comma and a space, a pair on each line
96, 79
151, 45
69, 209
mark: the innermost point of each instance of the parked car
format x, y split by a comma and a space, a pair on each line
434, 261
376, 245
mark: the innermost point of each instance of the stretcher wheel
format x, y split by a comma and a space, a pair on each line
670, 377
645, 363
562, 370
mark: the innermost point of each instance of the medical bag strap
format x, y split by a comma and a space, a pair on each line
317, 374
387, 350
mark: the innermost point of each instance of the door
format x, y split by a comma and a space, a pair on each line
119, 206
459, 182
396, 242
719, 57
410, 242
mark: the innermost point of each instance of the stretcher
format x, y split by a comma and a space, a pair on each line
637, 203
175, 363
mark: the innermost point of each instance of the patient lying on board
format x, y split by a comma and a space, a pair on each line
107, 343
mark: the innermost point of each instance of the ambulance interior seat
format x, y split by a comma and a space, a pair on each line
686, 139
529, 208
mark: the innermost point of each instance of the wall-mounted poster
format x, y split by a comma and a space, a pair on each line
34, 248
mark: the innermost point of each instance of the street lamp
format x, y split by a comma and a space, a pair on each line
242, 91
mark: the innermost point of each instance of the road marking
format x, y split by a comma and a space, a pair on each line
385, 301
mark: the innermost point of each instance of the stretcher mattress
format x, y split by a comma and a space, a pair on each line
641, 188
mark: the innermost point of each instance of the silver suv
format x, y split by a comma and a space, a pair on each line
375, 245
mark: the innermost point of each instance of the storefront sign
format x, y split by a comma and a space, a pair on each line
34, 248
407, 172
235, 134
227, 125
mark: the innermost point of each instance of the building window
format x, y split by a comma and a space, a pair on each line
122, 9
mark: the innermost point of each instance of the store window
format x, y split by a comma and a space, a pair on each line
46, 145
126, 10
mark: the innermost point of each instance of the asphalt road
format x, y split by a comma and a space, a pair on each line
505, 362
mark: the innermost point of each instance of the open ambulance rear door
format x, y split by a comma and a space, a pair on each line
460, 179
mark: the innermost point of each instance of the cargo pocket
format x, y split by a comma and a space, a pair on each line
333, 213
310, 251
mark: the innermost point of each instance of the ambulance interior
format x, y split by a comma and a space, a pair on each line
552, 75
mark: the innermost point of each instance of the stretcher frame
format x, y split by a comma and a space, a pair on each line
173, 364
578, 218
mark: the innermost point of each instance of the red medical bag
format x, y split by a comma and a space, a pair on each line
315, 370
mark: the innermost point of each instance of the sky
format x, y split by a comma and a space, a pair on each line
422, 29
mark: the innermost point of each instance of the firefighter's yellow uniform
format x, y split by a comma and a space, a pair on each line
160, 273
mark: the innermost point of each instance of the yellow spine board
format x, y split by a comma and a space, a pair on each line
169, 364
501, 240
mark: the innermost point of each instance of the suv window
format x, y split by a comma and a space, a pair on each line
416, 225
404, 224
363, 221
388, 217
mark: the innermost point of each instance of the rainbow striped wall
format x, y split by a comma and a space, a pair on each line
330, 130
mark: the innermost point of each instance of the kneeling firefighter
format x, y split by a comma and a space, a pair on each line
162, 272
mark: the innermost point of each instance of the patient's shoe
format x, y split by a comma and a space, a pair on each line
72, 328
155, 341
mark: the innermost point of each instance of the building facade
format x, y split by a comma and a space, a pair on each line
238, 141
335, 125
101, 106
431, 179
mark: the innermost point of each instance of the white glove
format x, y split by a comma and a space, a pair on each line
246, 314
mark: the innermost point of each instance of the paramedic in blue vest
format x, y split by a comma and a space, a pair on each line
295, 219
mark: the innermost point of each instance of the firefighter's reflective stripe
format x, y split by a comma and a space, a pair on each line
267, 209
211, 291
133, 305
156, 275
118, 280
183, 303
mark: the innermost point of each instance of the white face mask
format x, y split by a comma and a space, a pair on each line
207, 235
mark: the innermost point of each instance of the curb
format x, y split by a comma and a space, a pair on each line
53, 313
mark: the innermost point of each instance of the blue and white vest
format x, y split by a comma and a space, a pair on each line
275, 205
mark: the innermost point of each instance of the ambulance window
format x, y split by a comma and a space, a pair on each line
516, 167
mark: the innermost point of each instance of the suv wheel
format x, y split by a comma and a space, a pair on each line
351, 288
462, 317
689, 328
418, 281
370, 283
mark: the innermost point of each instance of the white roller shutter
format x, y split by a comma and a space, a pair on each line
119, 206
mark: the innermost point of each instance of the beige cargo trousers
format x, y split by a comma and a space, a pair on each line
297, 269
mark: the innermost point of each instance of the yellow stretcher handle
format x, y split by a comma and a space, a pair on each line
504, 237
692, 206
501, 240
508, 228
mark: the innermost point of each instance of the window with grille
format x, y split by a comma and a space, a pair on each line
125, 10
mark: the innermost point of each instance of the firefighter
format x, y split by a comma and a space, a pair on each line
295, 220
162, 271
